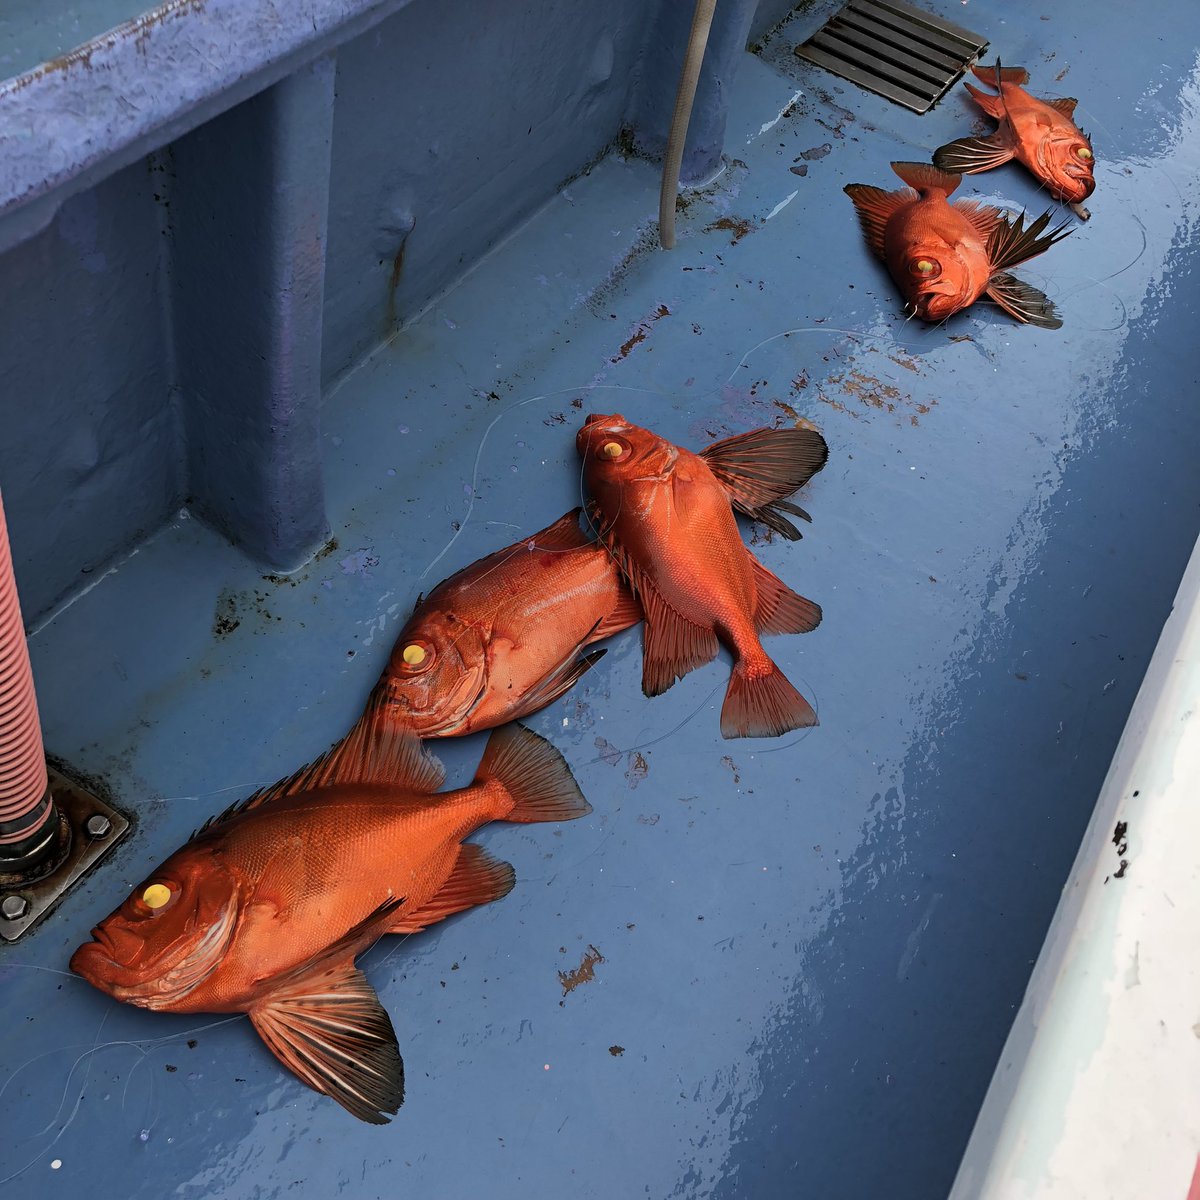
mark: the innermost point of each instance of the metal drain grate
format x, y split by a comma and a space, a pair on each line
894, 50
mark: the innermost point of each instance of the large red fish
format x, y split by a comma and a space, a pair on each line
667, 514
266, 908
506, 636
1039, 133
942, 256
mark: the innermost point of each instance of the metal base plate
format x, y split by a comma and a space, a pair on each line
32, 899
890, 48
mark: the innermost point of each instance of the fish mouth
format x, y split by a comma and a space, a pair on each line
155, 984
934, 306
1078, 187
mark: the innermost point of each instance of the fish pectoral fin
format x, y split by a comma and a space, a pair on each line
477, 878
672, 646
559, 679
1022, 301
992, 105
330, 1030
324, 1022
760, 468
1065, 105
1013, 242
779, 609
875, 208
970, 155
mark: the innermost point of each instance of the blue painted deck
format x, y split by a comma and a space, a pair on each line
811, 949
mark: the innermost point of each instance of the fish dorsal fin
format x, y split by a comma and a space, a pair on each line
925, 176
971, 155
875, 208
1012, 243
982, 216
992, 105
995, 76
1023, 301
625, 613
1065, 106
377, 750
324, 1022
564, 534
760, 468
476, 878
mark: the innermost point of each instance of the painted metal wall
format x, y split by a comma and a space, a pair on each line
192, 253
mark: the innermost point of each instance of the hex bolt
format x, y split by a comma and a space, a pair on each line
14, 907
98, 825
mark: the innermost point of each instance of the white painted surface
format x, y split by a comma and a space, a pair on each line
1097, 1092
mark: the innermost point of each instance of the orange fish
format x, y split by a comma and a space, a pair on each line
667, 514
266, 908
1039, 133
943, 256
506, 636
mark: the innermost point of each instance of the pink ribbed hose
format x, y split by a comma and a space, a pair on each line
23, 780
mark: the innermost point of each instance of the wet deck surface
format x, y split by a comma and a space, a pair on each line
804, 954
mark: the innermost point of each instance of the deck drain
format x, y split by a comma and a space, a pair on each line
894, 50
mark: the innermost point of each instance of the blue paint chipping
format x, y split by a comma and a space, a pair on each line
767, 969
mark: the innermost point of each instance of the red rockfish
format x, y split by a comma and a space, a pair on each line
505, 636
266, 908
942, 256
1039, 133
667, 515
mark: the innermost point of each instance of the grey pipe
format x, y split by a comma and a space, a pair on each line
693, 59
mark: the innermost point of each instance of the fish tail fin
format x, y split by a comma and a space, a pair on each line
761, 702
924, 176
534, 774
995, 76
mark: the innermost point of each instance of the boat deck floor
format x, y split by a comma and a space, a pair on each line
759, 968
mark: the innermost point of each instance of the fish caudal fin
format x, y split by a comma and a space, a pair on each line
477, 878
779, 609
971, 155
534, 774
1012, 242
759, 469
995, 76
992, 105
324, 1022
564, 534
926, 177
875, 208
1023, 301
761, 702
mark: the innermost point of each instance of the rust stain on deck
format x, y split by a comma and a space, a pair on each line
584, 973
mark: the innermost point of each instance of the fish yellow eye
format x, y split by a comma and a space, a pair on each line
925, 267
415, 657
1083, 152
156, 895
612, 449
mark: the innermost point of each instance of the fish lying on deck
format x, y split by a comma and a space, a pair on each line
942, 256
667, 514
507, 635
1041, 134
266, 908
